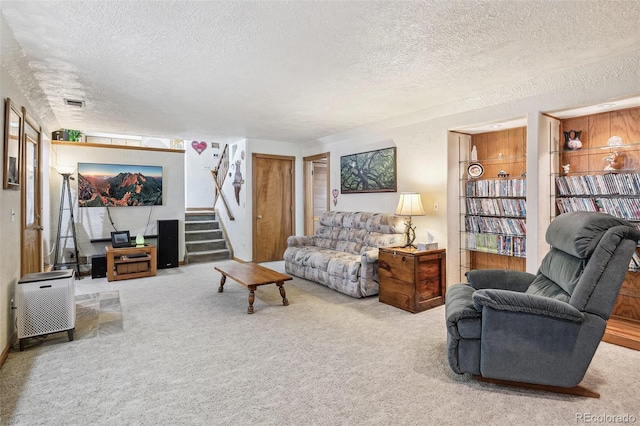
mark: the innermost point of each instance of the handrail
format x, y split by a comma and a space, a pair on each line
219, 174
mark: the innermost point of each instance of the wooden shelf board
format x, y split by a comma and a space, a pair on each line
623, 332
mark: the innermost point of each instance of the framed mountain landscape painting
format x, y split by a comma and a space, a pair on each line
119, 185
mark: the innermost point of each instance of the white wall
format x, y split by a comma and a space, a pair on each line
93, 222
10, 228
240, 230
428, 163
200, 189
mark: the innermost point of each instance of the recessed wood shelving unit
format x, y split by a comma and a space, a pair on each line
494, 207
588, 165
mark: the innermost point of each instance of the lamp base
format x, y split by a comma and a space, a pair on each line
409, 234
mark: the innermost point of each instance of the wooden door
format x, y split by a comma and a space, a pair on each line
273, 204
31, 256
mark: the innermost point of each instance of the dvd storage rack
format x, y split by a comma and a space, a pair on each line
492, 204
585, 182
495, 218
617, 194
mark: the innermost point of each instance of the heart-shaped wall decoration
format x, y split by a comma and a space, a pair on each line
199, 146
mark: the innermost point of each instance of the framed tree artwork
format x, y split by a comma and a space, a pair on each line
371, 171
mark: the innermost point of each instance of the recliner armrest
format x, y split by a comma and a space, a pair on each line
504, 300
300, 240
503, 279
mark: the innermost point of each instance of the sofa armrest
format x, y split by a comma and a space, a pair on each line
300, 240
504, 300
370, 256
503, 279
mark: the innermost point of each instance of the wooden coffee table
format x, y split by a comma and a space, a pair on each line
251, 276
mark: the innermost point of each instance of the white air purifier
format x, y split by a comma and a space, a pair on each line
46, 304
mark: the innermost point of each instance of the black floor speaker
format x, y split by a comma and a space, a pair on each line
98, 266
167, 244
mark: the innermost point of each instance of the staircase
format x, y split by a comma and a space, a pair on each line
204, 239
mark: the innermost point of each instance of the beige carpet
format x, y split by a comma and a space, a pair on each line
189, 355
96, 314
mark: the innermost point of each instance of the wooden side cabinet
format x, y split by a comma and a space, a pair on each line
130, 262
410, 279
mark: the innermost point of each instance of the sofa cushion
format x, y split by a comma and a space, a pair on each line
332, 218
351, 240
373, 240
356, 220
345, 266
327, 237
385, 224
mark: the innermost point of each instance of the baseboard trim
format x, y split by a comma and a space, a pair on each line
239, 260
5, 352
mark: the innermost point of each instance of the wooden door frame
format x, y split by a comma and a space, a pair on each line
308, 188
254, 200
37, 208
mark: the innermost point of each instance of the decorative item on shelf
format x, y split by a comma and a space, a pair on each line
615, 161
74, 135
572, 140
523, 175
500, 156
60, 135
409, 205
335, 194
474, 154
475, 170
566, 168
503, 174
614, 141
139, 240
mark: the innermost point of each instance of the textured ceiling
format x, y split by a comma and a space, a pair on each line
289, 71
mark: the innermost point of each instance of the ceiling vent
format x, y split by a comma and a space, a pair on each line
74, 103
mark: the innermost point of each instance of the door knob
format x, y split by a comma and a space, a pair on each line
259, 216
40, 228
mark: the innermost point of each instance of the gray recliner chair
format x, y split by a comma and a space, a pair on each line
542, 330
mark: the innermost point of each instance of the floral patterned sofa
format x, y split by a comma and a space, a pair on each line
343, 253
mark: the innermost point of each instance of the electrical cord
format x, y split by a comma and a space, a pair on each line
148, 221
111, 219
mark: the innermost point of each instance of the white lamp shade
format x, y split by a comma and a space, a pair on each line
410, 204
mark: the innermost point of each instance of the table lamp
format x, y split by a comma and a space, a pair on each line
409, 205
